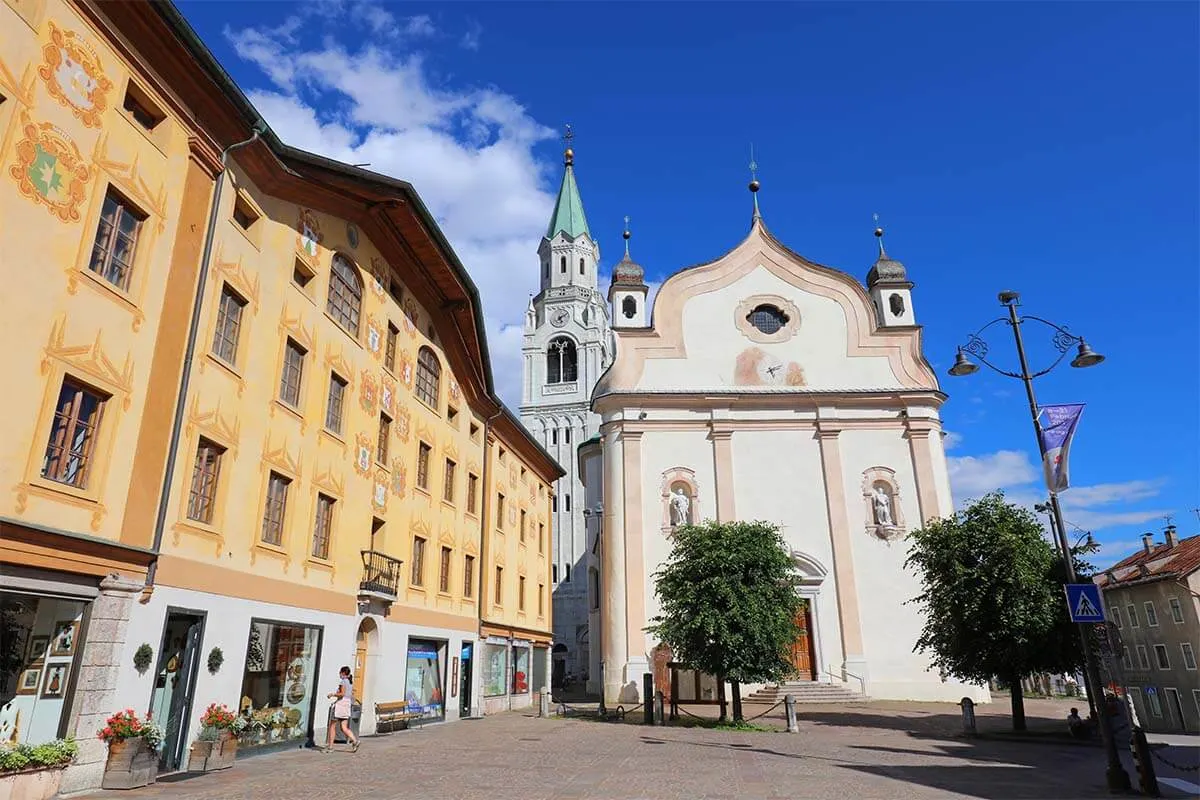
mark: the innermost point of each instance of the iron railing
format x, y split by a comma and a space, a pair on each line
381, 573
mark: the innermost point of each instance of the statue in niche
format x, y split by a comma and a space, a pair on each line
680, 505
882, 502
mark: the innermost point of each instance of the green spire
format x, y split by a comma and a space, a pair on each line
568, 214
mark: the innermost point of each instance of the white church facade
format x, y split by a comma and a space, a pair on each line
567, 346
769, 387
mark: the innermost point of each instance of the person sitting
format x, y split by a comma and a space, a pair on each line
1079, 728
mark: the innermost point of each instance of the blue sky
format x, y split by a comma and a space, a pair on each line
1050, 148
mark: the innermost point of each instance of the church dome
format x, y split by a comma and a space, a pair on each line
628, 273
885, 270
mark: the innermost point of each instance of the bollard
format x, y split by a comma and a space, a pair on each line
648, 698
789, 705
658, 708
968, 715
1144, 762
544, 705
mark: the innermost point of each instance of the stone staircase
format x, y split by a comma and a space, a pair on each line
808, 692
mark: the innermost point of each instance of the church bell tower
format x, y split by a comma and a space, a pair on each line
567, 346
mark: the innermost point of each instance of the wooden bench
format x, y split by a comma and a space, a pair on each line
394, 713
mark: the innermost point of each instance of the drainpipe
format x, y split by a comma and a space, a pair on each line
484, 513
185, 379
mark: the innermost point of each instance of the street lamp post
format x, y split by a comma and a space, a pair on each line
1063, 340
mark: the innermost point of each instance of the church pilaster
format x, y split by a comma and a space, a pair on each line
828, 436
721, 436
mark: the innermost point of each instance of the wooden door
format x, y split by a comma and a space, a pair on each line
803, 657
360, 665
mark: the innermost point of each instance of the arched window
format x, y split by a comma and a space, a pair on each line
345, 294
629, 307
546, 269
581, 272
562, 265
561, 365
429, 376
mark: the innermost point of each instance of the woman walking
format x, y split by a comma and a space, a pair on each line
341, 710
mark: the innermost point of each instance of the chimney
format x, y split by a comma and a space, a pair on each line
1148, 542
1172, 538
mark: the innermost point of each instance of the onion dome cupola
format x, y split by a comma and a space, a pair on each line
890, 289
628, 289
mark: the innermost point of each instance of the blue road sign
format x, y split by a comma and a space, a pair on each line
1083, 601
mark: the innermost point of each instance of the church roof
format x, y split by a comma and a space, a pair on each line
568, 216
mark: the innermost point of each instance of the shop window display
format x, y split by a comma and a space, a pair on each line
520, 675
277, 688
423, 680
41, 638
495, 669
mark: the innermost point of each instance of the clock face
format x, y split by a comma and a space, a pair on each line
771, 371
559, 317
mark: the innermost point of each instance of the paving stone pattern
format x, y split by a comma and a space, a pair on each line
870, 751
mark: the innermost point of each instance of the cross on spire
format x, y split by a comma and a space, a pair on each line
754, 183
568, 153
626, 236
879, 235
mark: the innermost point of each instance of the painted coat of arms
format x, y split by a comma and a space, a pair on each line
374, 336
368, 392
411, 316
380, 498
387, 395
379, 276
71, 70
403, 423
455, 391
308, 233
399, 478
50, 169
406, 371
362, 454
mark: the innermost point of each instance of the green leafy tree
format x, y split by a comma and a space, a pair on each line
729, 603
993, 598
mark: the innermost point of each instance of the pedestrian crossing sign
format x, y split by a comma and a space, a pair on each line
1083, 601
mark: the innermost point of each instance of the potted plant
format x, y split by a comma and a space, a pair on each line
33, 771
216, 746
132, 750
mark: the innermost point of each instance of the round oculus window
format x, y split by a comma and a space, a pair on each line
767, 318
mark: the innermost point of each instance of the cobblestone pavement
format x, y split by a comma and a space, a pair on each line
865, 751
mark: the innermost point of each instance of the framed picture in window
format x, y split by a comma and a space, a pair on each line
37, 650
54, 685
65, 635
28, 683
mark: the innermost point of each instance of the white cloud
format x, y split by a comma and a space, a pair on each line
971, 477
1014, 472
951, 440
470, 39
468, 151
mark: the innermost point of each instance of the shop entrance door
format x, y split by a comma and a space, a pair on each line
175, 683
464, 677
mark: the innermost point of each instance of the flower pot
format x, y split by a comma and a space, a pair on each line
225, 752
202, 756
31, 784
131, 763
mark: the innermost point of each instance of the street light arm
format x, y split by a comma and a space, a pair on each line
977, 346
1063, 340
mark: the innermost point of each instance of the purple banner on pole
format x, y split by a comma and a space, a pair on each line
1056, 430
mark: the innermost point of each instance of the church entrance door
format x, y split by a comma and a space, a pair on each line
803, 655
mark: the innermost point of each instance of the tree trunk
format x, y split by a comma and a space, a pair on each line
1017, 694
721, 699
738, 716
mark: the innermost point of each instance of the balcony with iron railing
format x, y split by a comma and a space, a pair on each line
380, 577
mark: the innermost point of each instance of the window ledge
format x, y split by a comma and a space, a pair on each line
323, 563
303, 291
422, 402
197, 526
383, 466
246, 234
351, 336
423, 490
225, 365
472, 514
121, 295
150, 136
337, 437
449, 504
46, 486
289, 408
275, 549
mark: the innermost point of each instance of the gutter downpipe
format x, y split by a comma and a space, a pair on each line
485, 512
190, 351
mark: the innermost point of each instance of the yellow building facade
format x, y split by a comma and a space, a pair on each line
256, 437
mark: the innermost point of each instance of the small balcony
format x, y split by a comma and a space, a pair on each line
380, 578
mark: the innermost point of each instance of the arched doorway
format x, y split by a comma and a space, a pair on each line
806, 650
366, 652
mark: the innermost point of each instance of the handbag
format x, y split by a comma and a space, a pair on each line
341, 709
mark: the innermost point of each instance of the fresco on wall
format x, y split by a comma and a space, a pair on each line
50, 170
71, 70
757, 367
